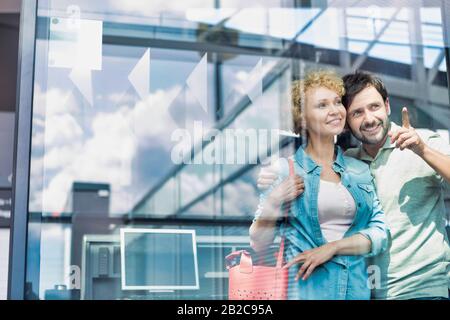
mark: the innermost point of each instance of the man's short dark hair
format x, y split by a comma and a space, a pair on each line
358, 81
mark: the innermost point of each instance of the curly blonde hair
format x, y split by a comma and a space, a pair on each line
314, 79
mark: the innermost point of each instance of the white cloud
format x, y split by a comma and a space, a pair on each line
234, 195
54, 122
102, 154
150, 118
61, 128
55, 196
194, 184
54, 101
60, 157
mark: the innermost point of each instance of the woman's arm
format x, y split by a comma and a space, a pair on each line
368, 242
262, 230
356, 244
376, 230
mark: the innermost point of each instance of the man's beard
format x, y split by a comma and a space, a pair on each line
376, 139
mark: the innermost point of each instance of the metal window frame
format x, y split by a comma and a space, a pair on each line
25, 83
445, 11
22, 138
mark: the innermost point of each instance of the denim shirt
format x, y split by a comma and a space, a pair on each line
342, 277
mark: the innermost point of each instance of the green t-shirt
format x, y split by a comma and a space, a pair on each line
417, 261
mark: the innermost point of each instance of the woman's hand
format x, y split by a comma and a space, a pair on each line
311, 259
286, 191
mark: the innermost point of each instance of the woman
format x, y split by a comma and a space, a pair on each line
335, 219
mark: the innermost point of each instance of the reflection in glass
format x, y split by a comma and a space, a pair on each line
121, 87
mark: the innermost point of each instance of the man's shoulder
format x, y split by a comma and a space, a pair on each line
353, 161
434, 140
427, 134
352, 152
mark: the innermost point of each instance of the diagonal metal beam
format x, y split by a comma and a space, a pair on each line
435, 68
359, 62
310, 23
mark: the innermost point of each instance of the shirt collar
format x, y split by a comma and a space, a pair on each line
307, 163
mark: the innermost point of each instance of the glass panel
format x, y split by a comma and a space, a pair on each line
159, 115
4, 260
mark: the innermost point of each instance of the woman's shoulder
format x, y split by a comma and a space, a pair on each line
358, 171
355, 165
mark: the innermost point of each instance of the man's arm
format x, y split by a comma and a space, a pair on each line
408, 138
435, 159
262, 230
438, 161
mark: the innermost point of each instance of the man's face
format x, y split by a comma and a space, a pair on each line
367, 116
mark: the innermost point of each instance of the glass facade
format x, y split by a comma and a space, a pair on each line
159, 115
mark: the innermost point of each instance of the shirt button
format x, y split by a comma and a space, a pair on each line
349, 186
359, 204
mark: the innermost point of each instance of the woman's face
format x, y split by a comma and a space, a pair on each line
324, 113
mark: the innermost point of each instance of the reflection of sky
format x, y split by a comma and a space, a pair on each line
54, 256
269, 18
120, 139
125, 141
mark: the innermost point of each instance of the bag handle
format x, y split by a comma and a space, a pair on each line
245, 263
286, 213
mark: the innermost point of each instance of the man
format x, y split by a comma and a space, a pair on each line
410, 169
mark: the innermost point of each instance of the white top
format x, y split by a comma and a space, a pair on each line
336, 210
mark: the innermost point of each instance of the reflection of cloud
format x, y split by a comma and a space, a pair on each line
62, 128
104, 152
55, 195
247, 80
150, 118
52, 102
240, 198
119, 98
195, 184
262, 114
54, 111
59, 157
105, 157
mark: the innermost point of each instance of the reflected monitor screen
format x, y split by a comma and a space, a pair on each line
158, 259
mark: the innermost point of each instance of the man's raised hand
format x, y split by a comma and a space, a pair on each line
406, 137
